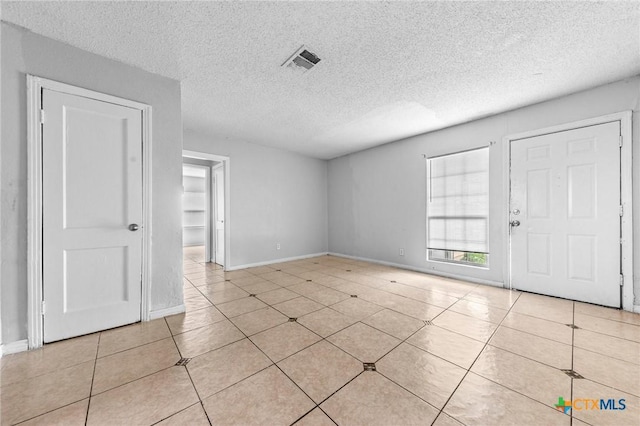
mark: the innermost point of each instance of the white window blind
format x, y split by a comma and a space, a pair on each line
458, 201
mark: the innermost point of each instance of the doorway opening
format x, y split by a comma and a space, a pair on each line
205, 207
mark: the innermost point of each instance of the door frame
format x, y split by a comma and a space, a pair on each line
35, 85
226, 164
626, 184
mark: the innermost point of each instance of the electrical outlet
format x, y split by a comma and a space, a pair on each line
401, 252
278, 246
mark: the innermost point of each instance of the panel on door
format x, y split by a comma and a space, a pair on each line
218, 193
565, 198
92, 213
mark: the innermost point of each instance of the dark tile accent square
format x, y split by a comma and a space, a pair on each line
572, 326
293, 319
572, 374
369, 366
183, 361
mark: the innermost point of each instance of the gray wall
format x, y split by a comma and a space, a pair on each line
25, 52
377, 196
276, 197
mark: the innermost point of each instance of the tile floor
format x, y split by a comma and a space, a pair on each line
286, 344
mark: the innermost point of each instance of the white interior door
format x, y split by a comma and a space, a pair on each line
92, 215
565, 205
219, 213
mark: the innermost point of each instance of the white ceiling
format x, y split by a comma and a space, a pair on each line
388, 70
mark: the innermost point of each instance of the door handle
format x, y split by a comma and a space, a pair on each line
134, 227
514, 223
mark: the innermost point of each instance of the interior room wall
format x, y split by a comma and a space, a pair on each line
24, 52
377, 196
277, 197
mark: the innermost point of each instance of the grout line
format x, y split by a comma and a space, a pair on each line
93, 377
474, 361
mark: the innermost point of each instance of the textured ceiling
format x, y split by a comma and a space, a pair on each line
388, 70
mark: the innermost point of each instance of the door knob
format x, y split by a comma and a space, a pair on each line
515, 223
134, 227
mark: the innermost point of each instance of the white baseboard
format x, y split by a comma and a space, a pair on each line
636, 309
14, 347
422, 270
271, 262
161, 313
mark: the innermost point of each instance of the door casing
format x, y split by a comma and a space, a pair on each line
626, 180
34, 198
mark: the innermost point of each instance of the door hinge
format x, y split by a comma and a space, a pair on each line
621, 280
42, 116
620, 142
43, 307
621, 210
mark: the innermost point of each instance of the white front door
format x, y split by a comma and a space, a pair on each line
92, 215
565, 214
218, 193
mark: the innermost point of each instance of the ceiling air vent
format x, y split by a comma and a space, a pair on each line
302, 60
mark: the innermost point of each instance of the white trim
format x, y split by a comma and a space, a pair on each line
636, 309
271, 262
34, 198
226, 163
161, 313
626, 179
14, 347
422, 270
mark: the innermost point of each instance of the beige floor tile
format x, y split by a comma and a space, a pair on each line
611, 372
315, 418
268, 396
364, 342
276, 296
219, 369
284, 340
614, 347
259, 270
502, 299
210, 288
226, 295
192, 416
48, 359
249, 280
190, 292
298, 307
530, 378
130, 336
194, 319
394, 323
127, 366
257, 321
321, 369
205, 339
196, 302
446, 420
540, 327
607, 313
232, 275
465, 325
328, 296
326, 321
479, 401
453, 347
586, 389
71, 415
414, 308
539, 349
427, 376
356, 308
371, 399
479, 311
545, 307
283, 279
609, 327
261, 287
306, 288
38, 395
241, 306
145, 401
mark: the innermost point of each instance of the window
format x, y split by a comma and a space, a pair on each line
458, 207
